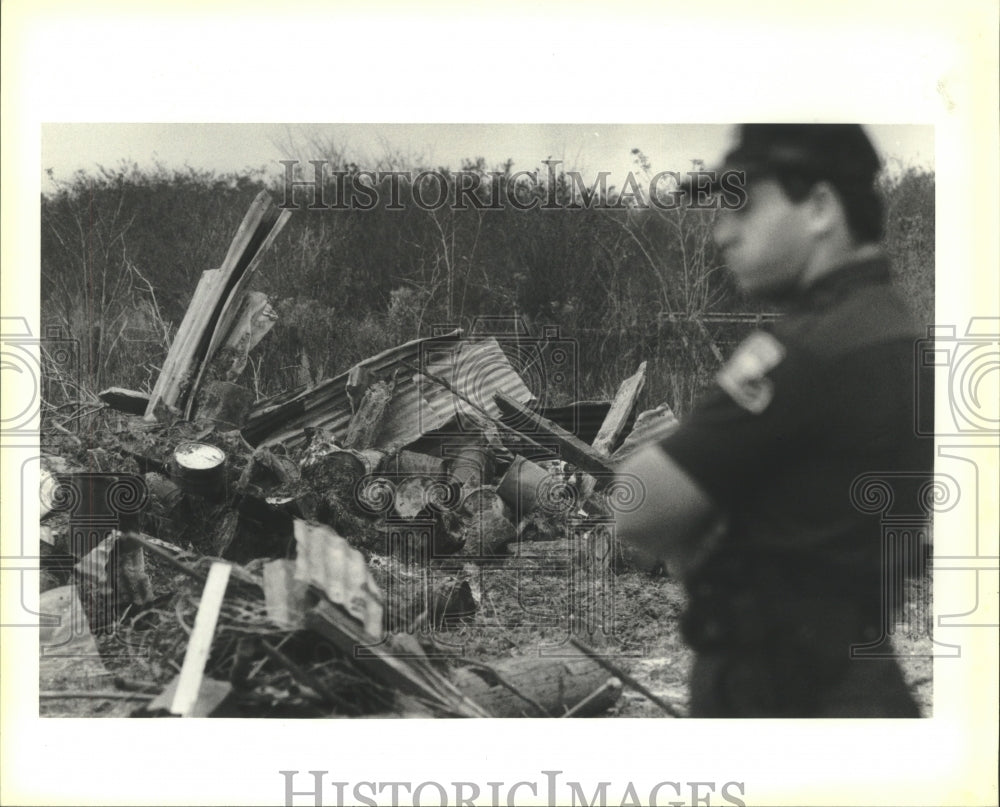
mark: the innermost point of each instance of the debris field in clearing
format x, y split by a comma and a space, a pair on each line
419, 536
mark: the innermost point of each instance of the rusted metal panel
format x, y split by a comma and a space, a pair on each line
476, 368
283, 419
324, 559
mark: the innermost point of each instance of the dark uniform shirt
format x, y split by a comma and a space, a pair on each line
800, 412
797, 415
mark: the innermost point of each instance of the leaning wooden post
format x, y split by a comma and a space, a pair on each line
200, 643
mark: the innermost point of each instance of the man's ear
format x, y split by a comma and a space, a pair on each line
825, 209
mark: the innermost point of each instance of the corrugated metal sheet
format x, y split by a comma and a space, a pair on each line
324, 559
475, 367
478, 369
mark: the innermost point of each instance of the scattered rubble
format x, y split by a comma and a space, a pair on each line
308, 555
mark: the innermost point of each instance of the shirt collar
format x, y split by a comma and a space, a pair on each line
870, 270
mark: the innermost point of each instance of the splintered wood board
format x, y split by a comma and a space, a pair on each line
200, 643
621, 408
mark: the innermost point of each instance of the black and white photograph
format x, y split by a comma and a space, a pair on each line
336, 412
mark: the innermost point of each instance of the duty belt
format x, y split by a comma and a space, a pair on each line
735, 601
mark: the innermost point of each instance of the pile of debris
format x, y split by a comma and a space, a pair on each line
281, 557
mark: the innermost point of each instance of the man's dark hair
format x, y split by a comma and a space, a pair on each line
798, 155
863, 206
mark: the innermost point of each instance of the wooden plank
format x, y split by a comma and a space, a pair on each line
614, 422
167, 389
214, 303
200, 643
245, 264
267, 231
210, 696
612, 685
670, 709
650, 426
572, 449
129, 401
621, 408
408, 673
207, 302
532, 686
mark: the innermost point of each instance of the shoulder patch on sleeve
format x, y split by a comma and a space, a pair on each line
744, 376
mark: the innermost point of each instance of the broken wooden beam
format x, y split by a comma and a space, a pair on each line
124, 400
650, 426
410, 674
621, 408
614, 423
167, 395
244, 258
615, 670
209, 698
533, 686
200, 643
212, 311
572, 449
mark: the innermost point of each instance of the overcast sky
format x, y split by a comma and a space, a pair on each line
225, 148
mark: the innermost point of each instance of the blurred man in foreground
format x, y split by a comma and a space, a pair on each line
750, 501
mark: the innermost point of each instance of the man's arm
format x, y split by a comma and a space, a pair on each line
676, 520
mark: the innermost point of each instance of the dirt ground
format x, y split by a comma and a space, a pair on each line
524, 608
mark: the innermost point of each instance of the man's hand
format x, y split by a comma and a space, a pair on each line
675, 520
